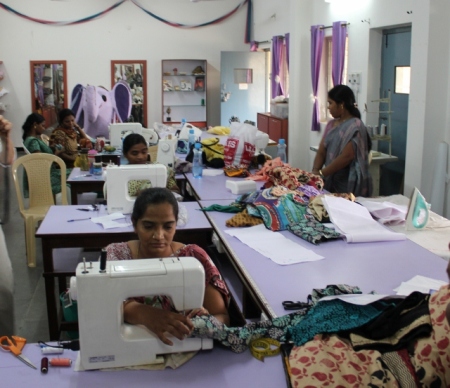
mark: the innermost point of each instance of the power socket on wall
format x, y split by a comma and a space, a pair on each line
354, 79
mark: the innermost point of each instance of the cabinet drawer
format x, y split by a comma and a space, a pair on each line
263, 123
275, 129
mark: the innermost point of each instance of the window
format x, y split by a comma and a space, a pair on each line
402, 79
326, 79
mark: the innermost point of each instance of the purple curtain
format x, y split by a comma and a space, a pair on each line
317, 37
338, 51
277, 46
286, 42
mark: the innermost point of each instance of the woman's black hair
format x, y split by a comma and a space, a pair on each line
63, 113
131, 140
153, 196
342, 94
33, 118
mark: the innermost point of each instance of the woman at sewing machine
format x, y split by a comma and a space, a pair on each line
67, 136
154, 218
135, 150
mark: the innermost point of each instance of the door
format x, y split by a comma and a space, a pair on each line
243, 84
396, 53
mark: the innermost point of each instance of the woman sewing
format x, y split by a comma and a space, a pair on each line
67, 136
343, 156
135, 150
33, 128
154, 219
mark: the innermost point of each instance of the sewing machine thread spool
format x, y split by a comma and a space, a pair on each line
103, 261
44, 365
60, 362
51, 350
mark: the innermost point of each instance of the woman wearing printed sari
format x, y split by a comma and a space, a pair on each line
67, 136
343, 156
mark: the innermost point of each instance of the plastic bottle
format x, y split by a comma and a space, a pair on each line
82, 160
183, 121
282, 150
197, 162
191, 138
98, 170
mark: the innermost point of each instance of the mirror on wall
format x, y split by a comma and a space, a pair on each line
135, 74
48, 89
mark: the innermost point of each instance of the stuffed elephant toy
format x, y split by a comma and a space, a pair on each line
96, 107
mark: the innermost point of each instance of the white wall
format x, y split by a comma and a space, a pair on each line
125, 33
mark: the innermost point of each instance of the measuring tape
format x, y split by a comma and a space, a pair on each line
264, 347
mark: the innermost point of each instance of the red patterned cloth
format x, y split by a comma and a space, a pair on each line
277, 173
330, 361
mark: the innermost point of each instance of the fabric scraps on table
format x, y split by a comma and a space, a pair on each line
243, 219
234, 207
275, 172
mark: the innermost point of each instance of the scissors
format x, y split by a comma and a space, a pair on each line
15, 345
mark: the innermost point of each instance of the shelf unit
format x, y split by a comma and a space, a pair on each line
388, 111
184, 92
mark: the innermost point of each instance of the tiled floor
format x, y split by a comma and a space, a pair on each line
30, 309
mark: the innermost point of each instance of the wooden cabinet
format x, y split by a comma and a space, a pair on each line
275, 127
184, 91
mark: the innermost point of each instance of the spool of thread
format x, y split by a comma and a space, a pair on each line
44, 365
60, 362
51, 350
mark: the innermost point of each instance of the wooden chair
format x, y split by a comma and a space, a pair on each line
37, 167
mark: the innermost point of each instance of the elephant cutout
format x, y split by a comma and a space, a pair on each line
96, 107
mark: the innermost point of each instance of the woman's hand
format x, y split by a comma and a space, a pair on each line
159, 321
198, 312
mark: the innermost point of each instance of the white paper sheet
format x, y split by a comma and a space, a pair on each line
419, 283
355, 222
359, 299
273, 245
385, 212
109, 221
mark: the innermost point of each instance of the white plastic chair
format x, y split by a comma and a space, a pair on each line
37, 167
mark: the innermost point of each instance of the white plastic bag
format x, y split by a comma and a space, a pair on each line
240, 146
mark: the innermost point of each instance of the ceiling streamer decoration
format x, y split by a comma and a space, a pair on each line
136, 3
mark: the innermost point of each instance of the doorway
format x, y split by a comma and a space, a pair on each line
395, 61
243, 85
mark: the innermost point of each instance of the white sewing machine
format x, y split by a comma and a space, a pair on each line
118, 131
166, 151
105, 340
117, 178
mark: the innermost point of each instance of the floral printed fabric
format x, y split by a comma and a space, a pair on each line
432, 354
239, 338
285, 209
277, 173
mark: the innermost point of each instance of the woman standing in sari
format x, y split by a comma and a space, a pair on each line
343, 156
